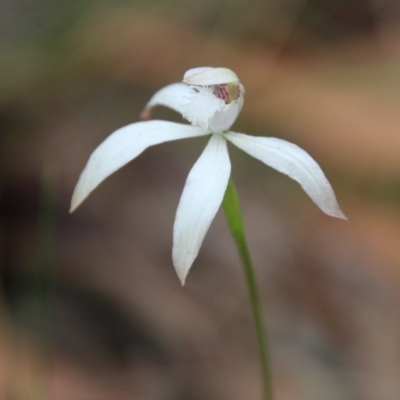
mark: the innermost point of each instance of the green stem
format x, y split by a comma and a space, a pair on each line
234, 218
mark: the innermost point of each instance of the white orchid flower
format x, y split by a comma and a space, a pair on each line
211, 99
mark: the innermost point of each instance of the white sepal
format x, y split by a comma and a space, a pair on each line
296, 163
201, 198
174, 96
123, 146
208, 76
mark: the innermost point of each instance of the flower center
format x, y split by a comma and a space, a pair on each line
227, 91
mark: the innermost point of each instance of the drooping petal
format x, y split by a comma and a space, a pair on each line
123, 146
208, 76
201, 198
296, 163
174, 96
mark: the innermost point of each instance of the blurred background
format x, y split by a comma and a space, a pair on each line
91, 307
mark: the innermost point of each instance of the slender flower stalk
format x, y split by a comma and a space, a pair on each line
210, 99
234, 218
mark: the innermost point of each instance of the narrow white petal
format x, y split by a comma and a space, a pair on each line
174, 96
123, 146
207, 76
201, 198
296, 163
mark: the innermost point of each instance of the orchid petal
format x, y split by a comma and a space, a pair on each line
224, 118
123, 146
202, 107
210, 112
174, 96
201, 198
208, 76
296, 163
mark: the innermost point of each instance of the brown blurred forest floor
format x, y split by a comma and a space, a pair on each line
331, 288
